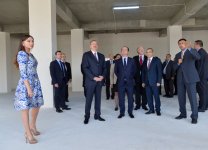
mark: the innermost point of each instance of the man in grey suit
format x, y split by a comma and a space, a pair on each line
187, 77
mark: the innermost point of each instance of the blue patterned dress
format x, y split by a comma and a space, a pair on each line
27, 67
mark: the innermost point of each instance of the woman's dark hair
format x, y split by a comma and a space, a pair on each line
116, 56
21, 47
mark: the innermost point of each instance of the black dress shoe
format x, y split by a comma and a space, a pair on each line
158, 113
165, 95
131, 115
120, 116
144, 107
116, 109
86, 120
99, 118
149, 112
67, 100
180, 117
66, 108
194, 121
59, 111
136, 108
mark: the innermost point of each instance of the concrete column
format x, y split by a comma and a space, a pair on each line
174, 34
42, 26
77, 46
5, 63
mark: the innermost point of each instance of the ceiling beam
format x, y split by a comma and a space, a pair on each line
16, 29
121, 26
66, 14
189, 9
127, 24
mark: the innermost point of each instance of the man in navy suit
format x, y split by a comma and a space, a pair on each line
202, 68
151, 80
94, 68
125, 70
59, 82
187, 77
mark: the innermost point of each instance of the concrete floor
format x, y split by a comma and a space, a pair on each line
66, 131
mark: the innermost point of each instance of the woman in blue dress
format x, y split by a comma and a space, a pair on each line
28, 95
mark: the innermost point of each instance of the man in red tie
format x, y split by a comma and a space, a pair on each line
140, 95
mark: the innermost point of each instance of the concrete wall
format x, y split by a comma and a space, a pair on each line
111, 43
5, 61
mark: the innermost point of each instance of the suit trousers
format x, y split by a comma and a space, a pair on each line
93, 89
122, 90
202, 89
140, 96
191, 91
168, 85
59, 96
150, 92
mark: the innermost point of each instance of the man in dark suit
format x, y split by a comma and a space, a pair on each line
168, 76
187, 77
59, 81
107, 79
140, 94
94, 68
125, 70
202, 68
151, 80
68, 74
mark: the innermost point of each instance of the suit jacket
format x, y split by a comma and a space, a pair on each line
169, 70
187, 68
57, 75
153, 75
125, 74
202, 64
68, 71
139, 68
92, 67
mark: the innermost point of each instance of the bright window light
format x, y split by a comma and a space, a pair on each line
125, 7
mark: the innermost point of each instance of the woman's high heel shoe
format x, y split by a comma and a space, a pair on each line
31, 141
35, 132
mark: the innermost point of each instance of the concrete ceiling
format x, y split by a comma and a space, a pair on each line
97, 16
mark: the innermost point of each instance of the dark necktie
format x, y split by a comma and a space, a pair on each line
125, 63
63, 68
140, 60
